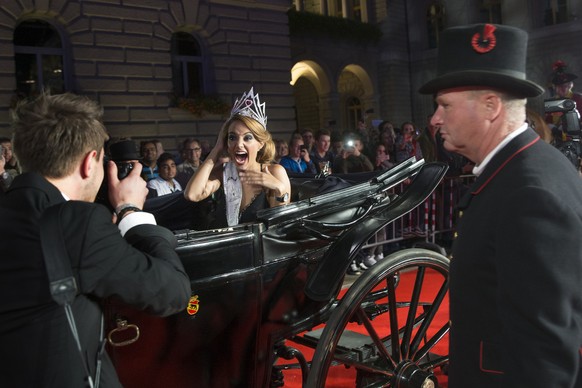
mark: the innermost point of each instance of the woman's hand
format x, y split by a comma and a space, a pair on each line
205, 181
260, 178
274, 178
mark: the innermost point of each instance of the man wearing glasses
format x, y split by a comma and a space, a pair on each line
191, 152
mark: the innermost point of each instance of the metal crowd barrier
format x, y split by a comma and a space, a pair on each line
433, 221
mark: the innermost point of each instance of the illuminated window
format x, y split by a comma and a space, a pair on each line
435, 19
39, 58
187, 66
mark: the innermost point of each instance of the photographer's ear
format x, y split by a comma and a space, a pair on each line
90, 162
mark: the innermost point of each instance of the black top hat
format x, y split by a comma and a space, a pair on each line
560, 76
123, 150
483, 55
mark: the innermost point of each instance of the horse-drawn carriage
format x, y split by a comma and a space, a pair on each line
258, 288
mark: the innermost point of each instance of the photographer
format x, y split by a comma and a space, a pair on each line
563, 83
298, 160
351, 158
59, 143
568, 140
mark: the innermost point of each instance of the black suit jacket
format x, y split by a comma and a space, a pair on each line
143, 269
516, 273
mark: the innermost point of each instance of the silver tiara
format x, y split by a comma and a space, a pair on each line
249, 105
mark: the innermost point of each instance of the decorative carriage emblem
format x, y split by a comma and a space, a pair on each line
193, 305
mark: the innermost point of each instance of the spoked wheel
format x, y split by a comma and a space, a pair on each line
389, 326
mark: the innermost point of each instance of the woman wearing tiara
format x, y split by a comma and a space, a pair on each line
248, 182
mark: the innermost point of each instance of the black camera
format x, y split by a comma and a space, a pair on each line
569, 126
123, 169
124, 154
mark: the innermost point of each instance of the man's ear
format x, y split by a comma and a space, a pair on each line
88, 163
493, 105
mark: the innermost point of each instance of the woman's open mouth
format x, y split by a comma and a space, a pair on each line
241, 157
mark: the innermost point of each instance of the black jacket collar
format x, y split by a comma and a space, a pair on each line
38, 182
522, 142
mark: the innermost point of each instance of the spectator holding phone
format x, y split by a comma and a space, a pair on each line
9, 168
298, 160
5, 178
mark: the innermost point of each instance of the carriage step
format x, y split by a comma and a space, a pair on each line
352, 345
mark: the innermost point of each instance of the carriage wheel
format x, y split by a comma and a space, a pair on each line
394, 308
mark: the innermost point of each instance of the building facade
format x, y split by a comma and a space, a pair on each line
169, 69
138, 58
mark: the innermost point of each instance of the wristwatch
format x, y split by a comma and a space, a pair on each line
283, 198
123, 209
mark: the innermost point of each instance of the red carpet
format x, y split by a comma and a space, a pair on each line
341, 376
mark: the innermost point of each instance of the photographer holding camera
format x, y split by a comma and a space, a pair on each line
351, 158
562, 114
298, 160
563, 83
59, 143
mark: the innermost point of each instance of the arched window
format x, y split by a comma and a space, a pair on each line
39, 58
187, 66
435, 20
556, 12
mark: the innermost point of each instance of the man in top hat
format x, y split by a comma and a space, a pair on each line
516, 267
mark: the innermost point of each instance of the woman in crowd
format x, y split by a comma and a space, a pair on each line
248, 182
281, 149
387, 137
406, 144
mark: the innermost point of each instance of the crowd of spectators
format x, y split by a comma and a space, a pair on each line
307, 152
